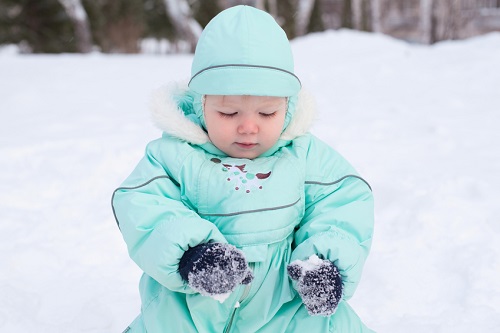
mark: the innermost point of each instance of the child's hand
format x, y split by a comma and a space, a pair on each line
214, 269
319, 284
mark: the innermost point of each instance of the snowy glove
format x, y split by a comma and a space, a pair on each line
214, 269
319, 284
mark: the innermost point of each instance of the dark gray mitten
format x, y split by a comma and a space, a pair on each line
214, 268
319, 284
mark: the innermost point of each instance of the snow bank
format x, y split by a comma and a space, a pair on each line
420, 124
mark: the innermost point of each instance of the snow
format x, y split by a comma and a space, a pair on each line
420, 123
221, 297
313, 262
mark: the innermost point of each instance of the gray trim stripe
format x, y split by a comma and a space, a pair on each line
133, 188
252, 211
244, 65
339, 180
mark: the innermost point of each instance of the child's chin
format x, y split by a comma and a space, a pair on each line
235, 152
250, 155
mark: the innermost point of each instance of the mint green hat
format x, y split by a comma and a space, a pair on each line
243, 51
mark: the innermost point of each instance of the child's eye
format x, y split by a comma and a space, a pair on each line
227, 115
268, 115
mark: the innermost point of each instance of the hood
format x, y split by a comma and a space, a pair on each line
243, 51
172, 111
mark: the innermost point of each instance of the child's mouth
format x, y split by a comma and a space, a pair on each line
246, 145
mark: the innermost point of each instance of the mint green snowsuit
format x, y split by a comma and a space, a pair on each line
298, 199
182, 194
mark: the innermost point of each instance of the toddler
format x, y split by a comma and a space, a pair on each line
241, 220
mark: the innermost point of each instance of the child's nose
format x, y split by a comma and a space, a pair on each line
248, 126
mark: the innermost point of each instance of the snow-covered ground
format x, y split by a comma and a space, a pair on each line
421, 124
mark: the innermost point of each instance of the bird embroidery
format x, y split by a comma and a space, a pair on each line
243, 180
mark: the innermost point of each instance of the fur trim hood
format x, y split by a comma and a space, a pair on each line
172, 119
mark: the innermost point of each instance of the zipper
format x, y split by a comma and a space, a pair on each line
246, 291
228, 327
244, 295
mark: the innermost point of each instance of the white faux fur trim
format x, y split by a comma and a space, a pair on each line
303, 117
168, 117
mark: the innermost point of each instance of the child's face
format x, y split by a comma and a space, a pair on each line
244, 126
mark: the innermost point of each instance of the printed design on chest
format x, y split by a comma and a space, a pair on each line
243, 180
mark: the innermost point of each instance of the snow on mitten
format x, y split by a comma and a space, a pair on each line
214, 269
319, 284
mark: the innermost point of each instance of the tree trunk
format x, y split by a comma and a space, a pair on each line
304, 11
366, 15
450, 19
376, 16
347, 14
75, 11
426, 21
181, 17
357, 14
273, 8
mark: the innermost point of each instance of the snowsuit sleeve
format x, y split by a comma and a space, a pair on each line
338, 220
157, 226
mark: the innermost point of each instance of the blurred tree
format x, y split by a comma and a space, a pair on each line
303, 16
427, 21
204, 11
449, 19
117, 26
181, 16
158, 25
361, 15
269, 6
38, 26
376, 11
53, 26
287, 10
315, 23
347, 14
78, 16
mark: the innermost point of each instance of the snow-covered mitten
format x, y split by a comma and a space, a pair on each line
319, 284
214, 269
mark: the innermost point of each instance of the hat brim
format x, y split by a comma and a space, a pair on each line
245, 80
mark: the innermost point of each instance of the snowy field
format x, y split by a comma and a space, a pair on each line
421, 124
